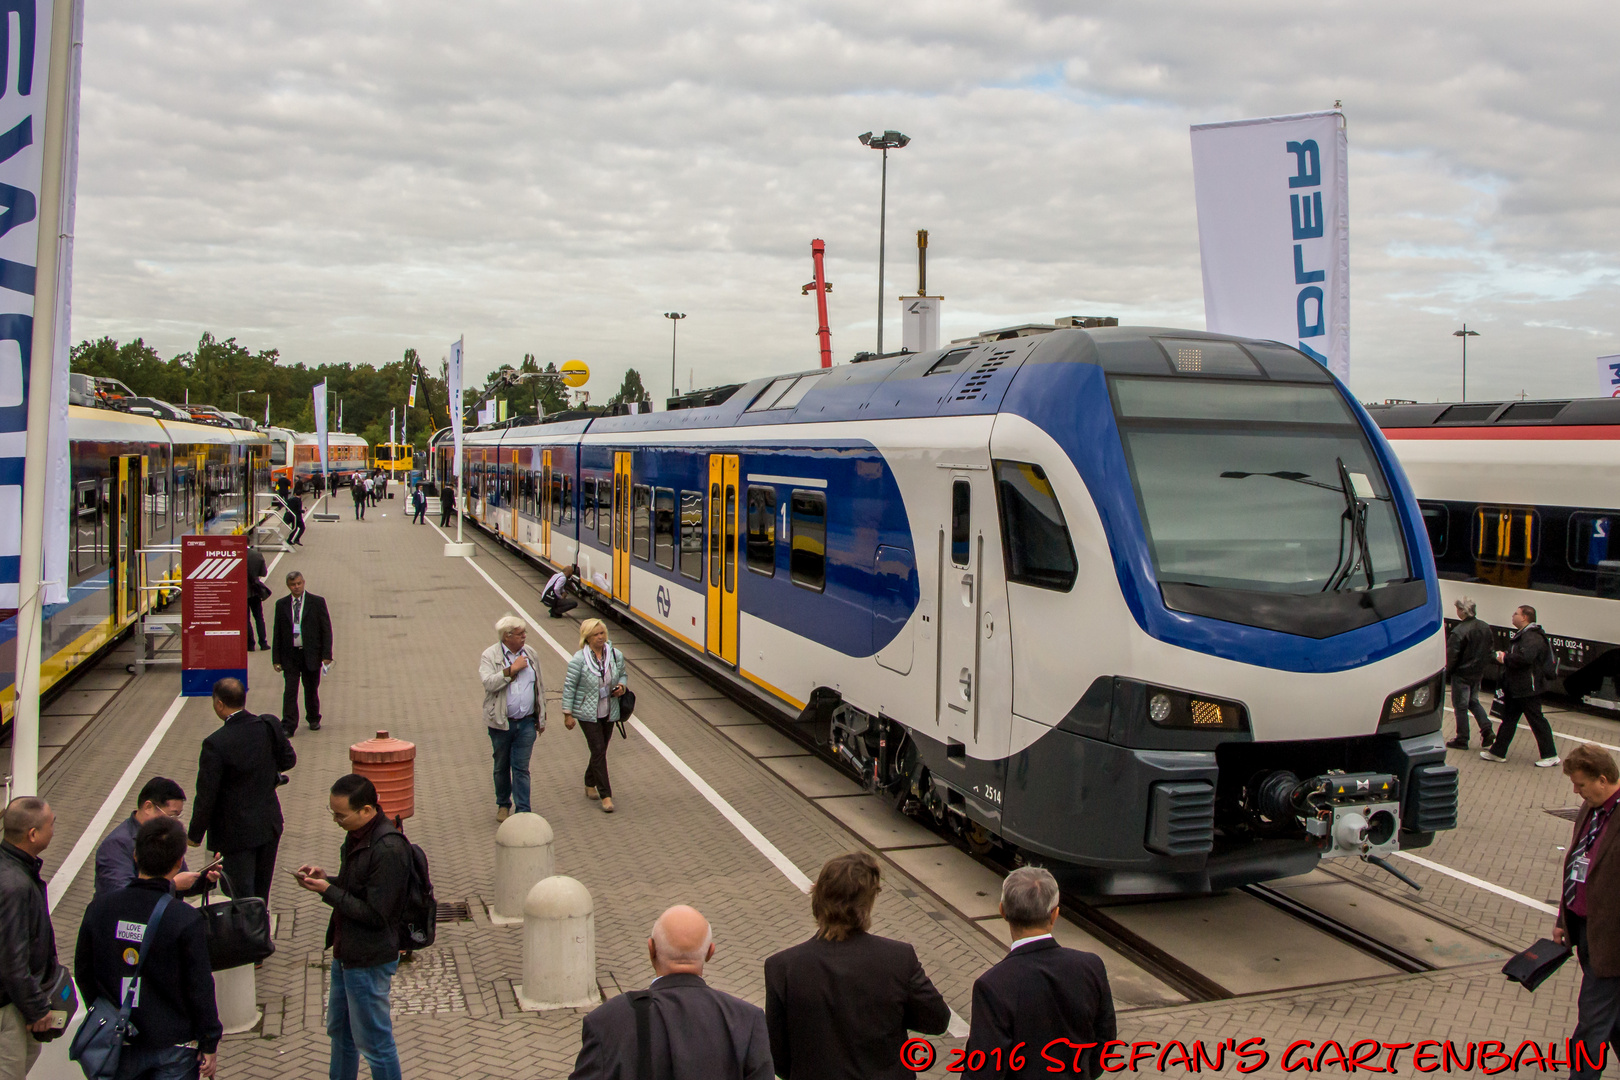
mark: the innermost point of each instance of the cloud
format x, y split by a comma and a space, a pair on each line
343, 181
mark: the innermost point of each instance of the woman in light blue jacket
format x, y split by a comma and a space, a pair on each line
591, 692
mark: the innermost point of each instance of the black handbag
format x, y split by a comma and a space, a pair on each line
99, 1042
1532, 967
238, 930
1499, 706
627, 705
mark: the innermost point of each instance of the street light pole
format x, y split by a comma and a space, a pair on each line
885, 142
1465, 334
674, 318
239, 394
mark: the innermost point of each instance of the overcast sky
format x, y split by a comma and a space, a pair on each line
343, 180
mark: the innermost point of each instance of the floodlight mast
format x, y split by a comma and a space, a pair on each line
889, 140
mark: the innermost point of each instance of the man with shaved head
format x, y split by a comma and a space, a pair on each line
27, 941
678, 1027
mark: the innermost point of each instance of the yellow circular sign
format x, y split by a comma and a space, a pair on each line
575, 372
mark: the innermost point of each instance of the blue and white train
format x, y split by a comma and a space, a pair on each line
1154, 608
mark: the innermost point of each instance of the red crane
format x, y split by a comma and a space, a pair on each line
818, 249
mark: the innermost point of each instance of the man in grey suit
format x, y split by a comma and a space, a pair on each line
677, 1027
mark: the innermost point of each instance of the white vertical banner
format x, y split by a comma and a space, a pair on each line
392, 419
919, 323
1274, 231
22, 165
1609, 376
452, 383
320, 422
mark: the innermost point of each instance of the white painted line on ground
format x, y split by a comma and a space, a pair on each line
715, 799
1480, 883
88, 841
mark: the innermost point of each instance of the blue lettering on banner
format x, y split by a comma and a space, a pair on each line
1308, 175
1305, 211
20, 30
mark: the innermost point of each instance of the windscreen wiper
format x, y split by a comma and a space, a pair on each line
1355, 518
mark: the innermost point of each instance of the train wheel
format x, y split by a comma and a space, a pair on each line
978, 840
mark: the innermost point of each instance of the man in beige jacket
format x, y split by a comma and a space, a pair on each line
514, 711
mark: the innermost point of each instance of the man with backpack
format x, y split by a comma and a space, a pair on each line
368, 898
176, 1021
1528, 665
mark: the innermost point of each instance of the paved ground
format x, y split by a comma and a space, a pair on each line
409, 625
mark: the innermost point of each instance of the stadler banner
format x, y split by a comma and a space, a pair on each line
23, 124
1274, 231
452, 384
213, 612
1609, 375
318, 394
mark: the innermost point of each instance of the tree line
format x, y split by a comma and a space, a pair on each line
224, 372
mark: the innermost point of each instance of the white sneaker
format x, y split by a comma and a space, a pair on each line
1488, 756
1547, 762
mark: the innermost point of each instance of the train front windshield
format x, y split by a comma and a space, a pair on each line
1258, 486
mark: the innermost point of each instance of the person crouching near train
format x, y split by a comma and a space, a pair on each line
591, 693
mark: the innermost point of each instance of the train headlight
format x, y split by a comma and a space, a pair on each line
1194, 712
1424, 697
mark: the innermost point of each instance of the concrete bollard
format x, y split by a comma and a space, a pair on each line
559, 947
236, 994
522, 858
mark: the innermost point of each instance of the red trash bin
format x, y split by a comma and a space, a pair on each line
390, 764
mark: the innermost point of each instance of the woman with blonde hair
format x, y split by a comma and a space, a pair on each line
591, 693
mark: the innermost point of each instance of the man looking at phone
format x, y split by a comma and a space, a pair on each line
115, 858
367, 899
238, 771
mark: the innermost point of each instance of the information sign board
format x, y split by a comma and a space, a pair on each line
213, 612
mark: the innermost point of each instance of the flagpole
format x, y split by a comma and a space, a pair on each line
42, 360
461, 390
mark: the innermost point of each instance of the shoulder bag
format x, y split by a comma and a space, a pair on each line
1532, 967
627, 702
99, 1042
238, 929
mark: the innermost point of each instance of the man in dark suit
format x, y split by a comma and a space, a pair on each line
236, 807
301, 648
257, 591
295, 516
447, 505
1051, 999
693, 1032
839, 1005
1589, 912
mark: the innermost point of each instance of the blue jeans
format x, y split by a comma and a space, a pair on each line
1465, 700
512, 749
158, 1063
358, 1020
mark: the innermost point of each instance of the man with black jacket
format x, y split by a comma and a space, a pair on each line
27, 940
1468, 652
238, 771
174, 1000
367, 899
301, 649
1050, 999
295, 512
1527, 665
257, 593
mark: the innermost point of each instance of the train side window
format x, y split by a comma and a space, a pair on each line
87, 526
1437, 519
762, 530
604, 512
1591, 542
559, 498
1035, 540
1506, 535
807, 553
961, 519
641, 528
568, 498
664, 528
692, 535
730, 553
714, 534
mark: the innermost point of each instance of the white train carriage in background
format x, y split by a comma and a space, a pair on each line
1151, 607
1521, 500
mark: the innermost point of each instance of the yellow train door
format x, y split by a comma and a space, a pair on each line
129, 479
545, 504
621, 526
722, 600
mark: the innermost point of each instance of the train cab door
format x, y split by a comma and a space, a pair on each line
721, 619
545, 504
128, 497
621, 526
974, 690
